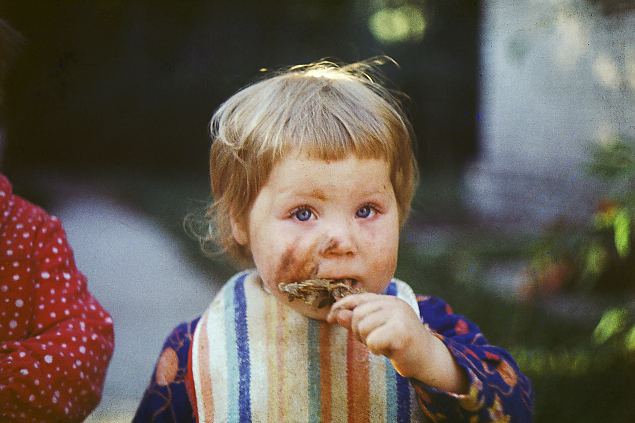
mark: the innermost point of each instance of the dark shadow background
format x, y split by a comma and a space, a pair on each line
132, 85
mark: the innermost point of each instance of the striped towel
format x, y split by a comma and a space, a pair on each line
256, 359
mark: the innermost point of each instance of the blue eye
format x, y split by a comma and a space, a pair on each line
364, 212
303, 214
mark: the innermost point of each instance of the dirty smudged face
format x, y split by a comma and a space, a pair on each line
316, 219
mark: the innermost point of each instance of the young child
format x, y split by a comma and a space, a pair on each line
312, 175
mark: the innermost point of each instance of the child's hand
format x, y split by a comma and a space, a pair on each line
388, 326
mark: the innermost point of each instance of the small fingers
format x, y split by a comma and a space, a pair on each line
350, 302
379, 342
363, 312
368, 325
342, 318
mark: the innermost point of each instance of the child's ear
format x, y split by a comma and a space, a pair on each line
238, 232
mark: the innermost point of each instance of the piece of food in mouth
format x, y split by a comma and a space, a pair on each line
319, 293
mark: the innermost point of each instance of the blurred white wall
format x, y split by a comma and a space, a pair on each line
137, 271
557, 75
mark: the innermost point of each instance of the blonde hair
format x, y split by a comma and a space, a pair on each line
325, 110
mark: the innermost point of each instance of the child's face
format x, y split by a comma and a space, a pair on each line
321, 219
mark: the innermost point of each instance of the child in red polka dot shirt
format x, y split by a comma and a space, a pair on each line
56, 340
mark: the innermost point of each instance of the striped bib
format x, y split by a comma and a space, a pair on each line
256, 359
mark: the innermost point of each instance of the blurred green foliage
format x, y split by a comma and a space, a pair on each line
397, 24
597, 256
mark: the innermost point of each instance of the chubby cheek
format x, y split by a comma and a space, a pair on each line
381, 271
381, 258
286, 262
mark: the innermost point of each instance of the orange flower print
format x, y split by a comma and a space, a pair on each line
507, 373
461, 327
167, 367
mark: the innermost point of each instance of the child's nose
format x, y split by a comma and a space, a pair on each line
339, 240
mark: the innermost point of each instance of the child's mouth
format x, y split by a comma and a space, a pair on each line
319, 293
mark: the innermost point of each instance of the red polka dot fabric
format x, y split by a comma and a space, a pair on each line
56, 340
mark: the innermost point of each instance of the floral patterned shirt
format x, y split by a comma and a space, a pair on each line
498, 391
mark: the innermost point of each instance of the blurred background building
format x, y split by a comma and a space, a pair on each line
105, 106
556, 78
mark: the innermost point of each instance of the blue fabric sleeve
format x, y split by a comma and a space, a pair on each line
165, 399
498, 391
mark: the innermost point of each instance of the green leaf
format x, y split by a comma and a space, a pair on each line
622, 228
612, 322
613, 160
595, 259
603, 220
629, 340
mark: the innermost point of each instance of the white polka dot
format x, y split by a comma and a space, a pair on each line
19, 303
66, 275
22, 354
53, 315
9, 252
48, 358
13, 324
25, 235
24, 372
16, 277
55, 250
82, 349
4, 288
45, 275
31, 397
